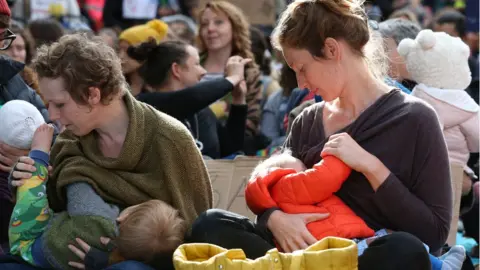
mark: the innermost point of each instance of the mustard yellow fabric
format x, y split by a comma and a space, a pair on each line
330, 253
135, 35
219, 108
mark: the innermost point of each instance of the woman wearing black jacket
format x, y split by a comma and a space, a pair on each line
174, 65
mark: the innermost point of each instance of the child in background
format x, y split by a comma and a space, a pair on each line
284, 182
146, 231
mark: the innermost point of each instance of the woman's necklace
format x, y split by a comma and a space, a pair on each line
197, 132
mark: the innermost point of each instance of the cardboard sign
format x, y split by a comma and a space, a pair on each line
229, 178
456, 177
140, 9
258, 12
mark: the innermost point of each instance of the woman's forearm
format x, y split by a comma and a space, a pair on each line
375, 172
263, 220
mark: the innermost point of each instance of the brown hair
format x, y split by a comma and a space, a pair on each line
153, 228
82, 62
241, 43
31, 79
306, 24
288, 80
28, 39
259, 50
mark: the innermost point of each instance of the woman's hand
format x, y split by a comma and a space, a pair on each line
9, 156
81, 253
290, 230
235, 69
239, 94
347, 149
351, 153
23, 171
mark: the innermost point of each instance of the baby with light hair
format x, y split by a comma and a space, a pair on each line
281, 160
284, 182
147, 233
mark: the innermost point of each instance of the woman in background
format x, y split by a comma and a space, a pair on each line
224, 32
172, 71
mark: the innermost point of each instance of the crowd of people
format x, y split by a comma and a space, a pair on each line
366, 116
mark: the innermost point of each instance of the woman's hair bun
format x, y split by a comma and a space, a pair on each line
143, 51
345, 7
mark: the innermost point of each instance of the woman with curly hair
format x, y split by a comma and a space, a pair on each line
224, 32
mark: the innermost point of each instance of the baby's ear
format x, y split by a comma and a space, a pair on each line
405, 47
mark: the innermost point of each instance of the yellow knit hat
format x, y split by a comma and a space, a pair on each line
156, 29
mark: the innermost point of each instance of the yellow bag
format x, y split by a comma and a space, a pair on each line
330, 253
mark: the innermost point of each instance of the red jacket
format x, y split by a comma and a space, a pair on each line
311, 191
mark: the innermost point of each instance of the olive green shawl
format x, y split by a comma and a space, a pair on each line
159, 160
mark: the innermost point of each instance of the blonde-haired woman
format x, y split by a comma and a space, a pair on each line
400, 182
224, 32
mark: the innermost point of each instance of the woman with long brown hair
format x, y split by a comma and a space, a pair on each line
400, 182
224, 32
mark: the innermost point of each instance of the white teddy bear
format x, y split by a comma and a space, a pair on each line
439, 64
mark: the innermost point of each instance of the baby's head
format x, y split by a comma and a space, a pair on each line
152, 229
18, 122
283, 160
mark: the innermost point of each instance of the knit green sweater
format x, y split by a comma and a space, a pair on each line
159, 160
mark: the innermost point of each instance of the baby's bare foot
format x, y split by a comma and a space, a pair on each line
42, 139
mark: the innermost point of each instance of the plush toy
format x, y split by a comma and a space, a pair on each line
439, 64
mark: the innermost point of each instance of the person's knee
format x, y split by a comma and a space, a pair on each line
208, 219
405, 239
399, 250
214, 222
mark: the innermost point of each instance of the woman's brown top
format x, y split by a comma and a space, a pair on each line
404, 133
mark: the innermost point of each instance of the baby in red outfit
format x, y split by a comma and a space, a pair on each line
283, 181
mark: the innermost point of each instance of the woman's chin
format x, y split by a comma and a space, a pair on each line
75, 131
214, 46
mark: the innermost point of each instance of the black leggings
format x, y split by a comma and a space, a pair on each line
226, 229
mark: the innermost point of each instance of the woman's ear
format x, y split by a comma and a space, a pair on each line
331, 49
175, 70
94, 95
